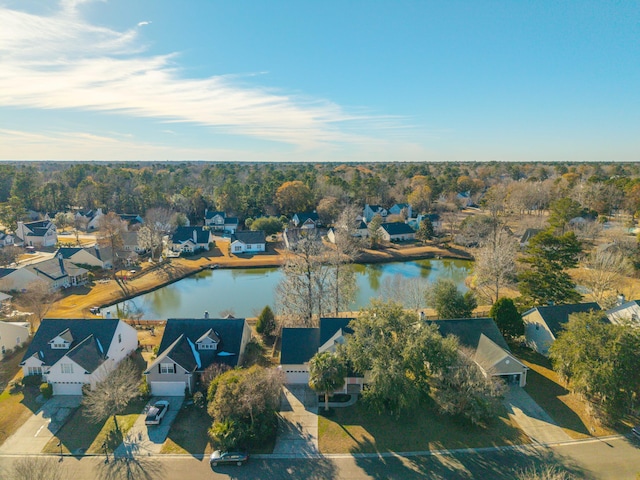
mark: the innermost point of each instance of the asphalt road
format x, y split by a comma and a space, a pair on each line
617, 459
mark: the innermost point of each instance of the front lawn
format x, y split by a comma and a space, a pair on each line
81, 434
567, 409
355, 429
188, 432
15, 408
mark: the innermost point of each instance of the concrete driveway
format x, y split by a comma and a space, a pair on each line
147, 440
531, 418
36, 432
298, 421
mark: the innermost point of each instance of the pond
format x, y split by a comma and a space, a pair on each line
244, 292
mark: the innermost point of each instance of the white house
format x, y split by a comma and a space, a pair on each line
6, 239
220, 222
130, 242
72, 353
306, 220
12, 335
90, 217
95, 256
191, 239
396, 232
625, 312
371, 211
248, 241
299, 345
42, 233
543, 324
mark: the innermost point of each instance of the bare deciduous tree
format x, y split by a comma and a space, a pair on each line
112, 394
38, 299
409, 292
158, 222
111, 227
495, 265
603, 270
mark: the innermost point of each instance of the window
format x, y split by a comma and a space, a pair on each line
34, 371
205, 346
167, 368
59, 345
66, 367
119, 338
18, 341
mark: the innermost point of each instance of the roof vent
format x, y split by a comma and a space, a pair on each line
206, 314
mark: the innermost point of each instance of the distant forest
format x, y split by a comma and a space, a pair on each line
251, 190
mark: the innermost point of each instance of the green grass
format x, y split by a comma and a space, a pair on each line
83, 434
356, 429
188, 432
15, 408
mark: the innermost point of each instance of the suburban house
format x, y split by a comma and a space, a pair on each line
130, 242
190, 346
12, 335
527, 235
483, 342
299, 345
54, 274
95, 256
133, 220
464, 198
371, 211
72, 353
5, 301
220, 222
248, 241
191, 239
434, 218
361, 231
6, 239
306, 221
543, 324
42, 233
291, 236
625, 311
90, 218
398, 208
396, 232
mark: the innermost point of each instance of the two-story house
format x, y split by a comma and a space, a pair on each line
41, 233
220, 222
191, 239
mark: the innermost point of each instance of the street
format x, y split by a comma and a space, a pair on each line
613, 458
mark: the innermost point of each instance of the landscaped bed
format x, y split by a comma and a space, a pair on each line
355, 429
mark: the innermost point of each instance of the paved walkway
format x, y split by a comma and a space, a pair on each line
298, 422
532, 419
36, 432
148, 440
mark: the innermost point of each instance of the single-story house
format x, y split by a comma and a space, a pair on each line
41, 233
248, 241
299, 345
306, 220
190, 346
371, 211
482, 339
72, 353
221, 222
625, 311
527, 235
191, 239
398, 208
95, 256
396, 232
54, 274
543, 324
12, 335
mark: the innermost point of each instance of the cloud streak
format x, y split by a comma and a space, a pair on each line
63, 62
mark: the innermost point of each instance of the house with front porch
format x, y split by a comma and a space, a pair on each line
190, 346
41, 233
299, 345
52, 274
72, 353
248, 241
220, 222
191, 239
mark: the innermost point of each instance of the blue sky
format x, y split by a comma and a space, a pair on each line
320, 80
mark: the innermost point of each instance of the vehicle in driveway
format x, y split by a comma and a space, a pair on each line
156, 412
220, 458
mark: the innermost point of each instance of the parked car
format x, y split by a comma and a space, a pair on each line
636, 431
95, 310
220, 457
156, 412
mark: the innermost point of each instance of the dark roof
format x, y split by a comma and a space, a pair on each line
329, 326
375, 208
250, 236
102, 331
362, 225
208, 215
89, 354
38, 224
304, 216
555, 316
180, 332
67, 252
468, 331
53, 268
299, 345
6, 271
231, 221
131, 218
397, 228
183, 234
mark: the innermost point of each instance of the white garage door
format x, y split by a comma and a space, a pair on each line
67, 389
297, 375
168, 389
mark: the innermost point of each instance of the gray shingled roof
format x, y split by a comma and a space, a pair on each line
250, 236
468, 331
397, 228
80, 329
556, 316
299, 345
88, 354
183, 234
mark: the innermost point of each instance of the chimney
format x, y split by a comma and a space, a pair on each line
621, 298
206, 314
195, 236
108, 315
61, 262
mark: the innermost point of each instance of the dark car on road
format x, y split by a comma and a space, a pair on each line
156, 412
219, 458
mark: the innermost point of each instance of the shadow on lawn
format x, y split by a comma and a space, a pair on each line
189, 430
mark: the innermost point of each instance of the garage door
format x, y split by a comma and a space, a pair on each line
67, 389
297, 376
168, 389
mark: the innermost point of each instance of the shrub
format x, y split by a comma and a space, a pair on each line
145, 388
266, 323
198, 399
46, 389
32, 380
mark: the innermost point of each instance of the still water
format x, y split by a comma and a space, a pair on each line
245, 292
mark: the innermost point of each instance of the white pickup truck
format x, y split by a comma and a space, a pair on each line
156, 412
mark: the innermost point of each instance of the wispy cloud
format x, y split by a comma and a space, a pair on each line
141, 24
64, 62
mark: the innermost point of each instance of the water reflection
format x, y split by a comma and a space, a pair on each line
246, 291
